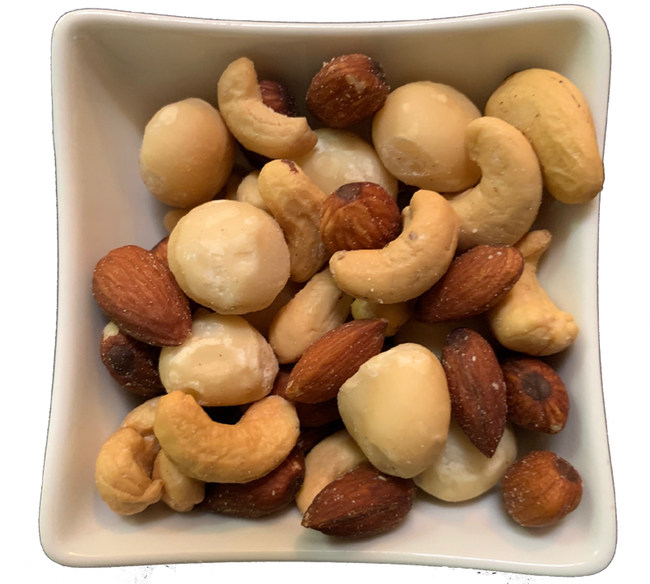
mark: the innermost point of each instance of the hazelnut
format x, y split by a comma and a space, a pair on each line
359, 215
540, 489
347, 90
536, 395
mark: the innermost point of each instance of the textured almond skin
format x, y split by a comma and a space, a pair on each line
475, 281
328, 362
361, 503
347, 90
139, 293
277, 97
476, 388
359, 215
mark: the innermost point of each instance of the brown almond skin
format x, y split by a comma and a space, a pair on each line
361, 503
537, 397
264, 496
475, 281
359, 215
476, 388
540, 489
138, 292
328, 362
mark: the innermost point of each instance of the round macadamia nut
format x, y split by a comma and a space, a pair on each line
229, 256
419, 135
187, 153
225, 361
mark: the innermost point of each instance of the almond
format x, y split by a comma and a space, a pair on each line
475, 281
139, 294
476, 388
359, 215
361, 503
328, 362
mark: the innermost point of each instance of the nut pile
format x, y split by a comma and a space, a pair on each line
267, 335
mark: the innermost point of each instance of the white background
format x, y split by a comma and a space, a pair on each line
28, 309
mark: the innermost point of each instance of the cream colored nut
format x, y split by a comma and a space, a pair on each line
229, 256
410, 264
249, 192
331, 458
226, 453
341, 157
187, 153
419, 136
461, 472
262, 319
527, 320
225, 361
395, 315
397, 409
141, 417
257, 127
316, 309
555, 116
505, 203
180, 492
172, 217
123, 472
295, 202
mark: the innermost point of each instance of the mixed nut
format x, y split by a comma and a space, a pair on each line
266, 334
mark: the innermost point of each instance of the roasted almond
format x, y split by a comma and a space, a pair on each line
328, 362
138, 292
476, 388
475, 281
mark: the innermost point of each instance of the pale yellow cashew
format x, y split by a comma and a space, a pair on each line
226, 453
180, 492
141, 417
502, 207
410, 264
527, 320
123, 472
257, 127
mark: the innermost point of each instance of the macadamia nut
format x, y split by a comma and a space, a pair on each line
187, 153
225, 361
229, 256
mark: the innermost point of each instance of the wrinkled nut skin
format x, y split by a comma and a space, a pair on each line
540, 489
261, 497
537, 397
277, 97
347, 90
364, 502
360, 215
554, 115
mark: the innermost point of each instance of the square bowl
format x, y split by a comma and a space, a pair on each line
110, 72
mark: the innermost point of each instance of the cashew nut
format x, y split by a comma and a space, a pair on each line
256, 126
332, 457
295, 202
225, 453
527, 320
317, 308
141, 417
180, 492
502, 207
395, 315
410, 264
123, 472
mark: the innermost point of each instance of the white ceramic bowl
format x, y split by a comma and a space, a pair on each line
110, 72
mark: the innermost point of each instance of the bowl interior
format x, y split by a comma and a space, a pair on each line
110, 72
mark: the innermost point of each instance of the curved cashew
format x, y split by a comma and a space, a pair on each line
410, 264
257, 127
123, 472
527, 320
502, 207
141, 417
295, 202
332, 457
226, 453
180, 492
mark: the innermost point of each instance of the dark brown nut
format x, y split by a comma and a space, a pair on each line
277, 97
537, 397
361, 503
540, 489
264, 496
359, 215
132, 363
347, 90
